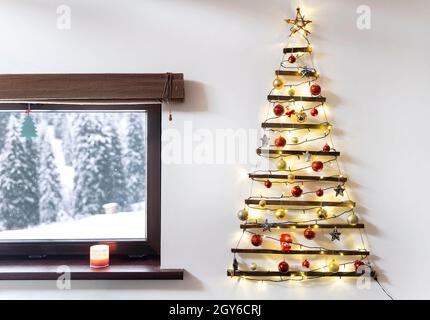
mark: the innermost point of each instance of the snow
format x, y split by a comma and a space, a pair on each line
66, 172
122, 225
97, 170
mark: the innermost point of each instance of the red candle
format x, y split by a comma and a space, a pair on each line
99, 256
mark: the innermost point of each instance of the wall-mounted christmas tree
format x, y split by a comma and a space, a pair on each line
299, 222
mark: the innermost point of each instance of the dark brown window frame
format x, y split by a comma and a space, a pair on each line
118, 247
136, 260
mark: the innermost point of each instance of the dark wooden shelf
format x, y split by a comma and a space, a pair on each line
297, 49
119, 269
297, 152
299, 203
278, 125
302, 226
306, 252
295, 73
297, 177
295, 98
238, 273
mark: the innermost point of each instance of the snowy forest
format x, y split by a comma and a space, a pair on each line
77, 164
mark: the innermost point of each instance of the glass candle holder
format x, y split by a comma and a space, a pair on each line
99, 256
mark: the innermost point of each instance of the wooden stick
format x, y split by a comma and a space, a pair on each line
297, 49
307, 252
302, 226
299, 203
297, 178
232, 273
294, 73
277, 125
295, 98
297, 152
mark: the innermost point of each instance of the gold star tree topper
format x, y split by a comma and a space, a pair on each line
299, 23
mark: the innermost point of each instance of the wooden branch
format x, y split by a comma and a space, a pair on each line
90, 87
297, 49
305, 252
302, 226
238, 273
299, 203
295, 73
295, 98
279, 125
261, 151
297, 177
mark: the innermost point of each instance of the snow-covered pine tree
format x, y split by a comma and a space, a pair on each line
135, 158
68, 137
19, 190
92, 165
4, 119
49, 182
118, 191
59, 122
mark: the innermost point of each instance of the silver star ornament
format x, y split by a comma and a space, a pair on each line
335, 235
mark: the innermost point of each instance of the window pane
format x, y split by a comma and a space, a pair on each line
82, 177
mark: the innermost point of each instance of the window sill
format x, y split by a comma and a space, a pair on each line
119, 269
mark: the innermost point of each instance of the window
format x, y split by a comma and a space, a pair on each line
92, 175
63, 233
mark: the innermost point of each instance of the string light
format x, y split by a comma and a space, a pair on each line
309, 75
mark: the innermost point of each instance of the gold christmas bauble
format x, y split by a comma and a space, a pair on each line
291, 177
294, 140
292, 92
301, 117
281, 164
243, 214
322, 213
262, 203
278, 83
352, 219
333, 266
253, 266
281, 214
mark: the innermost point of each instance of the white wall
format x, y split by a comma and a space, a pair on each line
227, 49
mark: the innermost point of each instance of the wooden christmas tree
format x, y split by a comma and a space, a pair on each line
299, 222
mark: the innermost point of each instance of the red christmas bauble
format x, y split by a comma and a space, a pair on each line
283, 266
285, 246
278, 110
326, 148
315, 89
306, 264
286, 237
309, 233
358, 264
292, 59
314, 112
319, 192
280, 142
268, 184
256, 240
317, 166
286, 241
296, 191
290, 113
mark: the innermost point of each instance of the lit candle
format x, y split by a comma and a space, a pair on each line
99, 256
